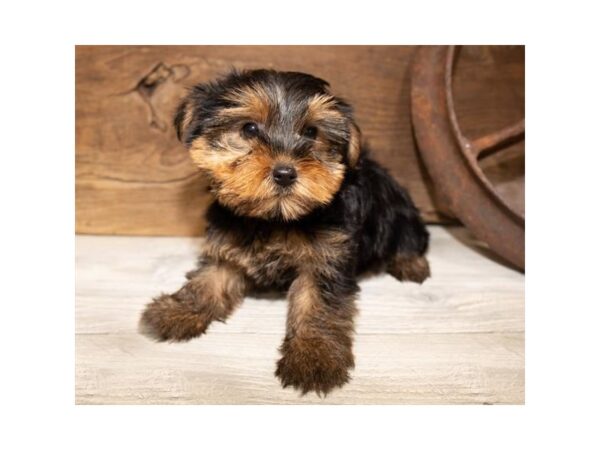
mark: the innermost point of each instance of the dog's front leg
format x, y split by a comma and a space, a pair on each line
212, 293
317, 350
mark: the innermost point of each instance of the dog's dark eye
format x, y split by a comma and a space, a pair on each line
310, 132
250, 129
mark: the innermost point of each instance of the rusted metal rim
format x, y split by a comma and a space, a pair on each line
452, 159
472, 150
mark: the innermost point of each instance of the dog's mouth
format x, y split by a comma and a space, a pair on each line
284, 191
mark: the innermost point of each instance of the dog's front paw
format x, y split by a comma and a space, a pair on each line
169, 318
314, 365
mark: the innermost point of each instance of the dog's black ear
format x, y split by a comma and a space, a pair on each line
184, 116
354, 144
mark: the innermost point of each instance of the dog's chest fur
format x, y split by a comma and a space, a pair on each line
273, 258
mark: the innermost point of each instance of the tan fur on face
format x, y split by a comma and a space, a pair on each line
253, 102
241, 168
241, 173
316, 185
319, 181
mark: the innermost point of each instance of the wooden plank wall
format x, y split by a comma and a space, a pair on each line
134, 178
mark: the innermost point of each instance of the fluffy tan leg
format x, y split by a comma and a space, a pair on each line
212, 293
317, 350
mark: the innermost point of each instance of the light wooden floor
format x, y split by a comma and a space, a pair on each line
459, 338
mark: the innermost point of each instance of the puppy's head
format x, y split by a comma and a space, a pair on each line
275, 145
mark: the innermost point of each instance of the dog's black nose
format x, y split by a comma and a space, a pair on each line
284, 175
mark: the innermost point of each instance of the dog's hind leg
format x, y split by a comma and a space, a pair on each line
409, 267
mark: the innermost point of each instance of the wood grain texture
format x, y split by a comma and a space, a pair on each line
459, 338
134, 178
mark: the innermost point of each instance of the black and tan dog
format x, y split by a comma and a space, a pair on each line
298, 206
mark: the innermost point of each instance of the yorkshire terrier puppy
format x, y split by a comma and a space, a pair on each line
299, 206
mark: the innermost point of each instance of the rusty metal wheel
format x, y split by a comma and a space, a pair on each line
452, 159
